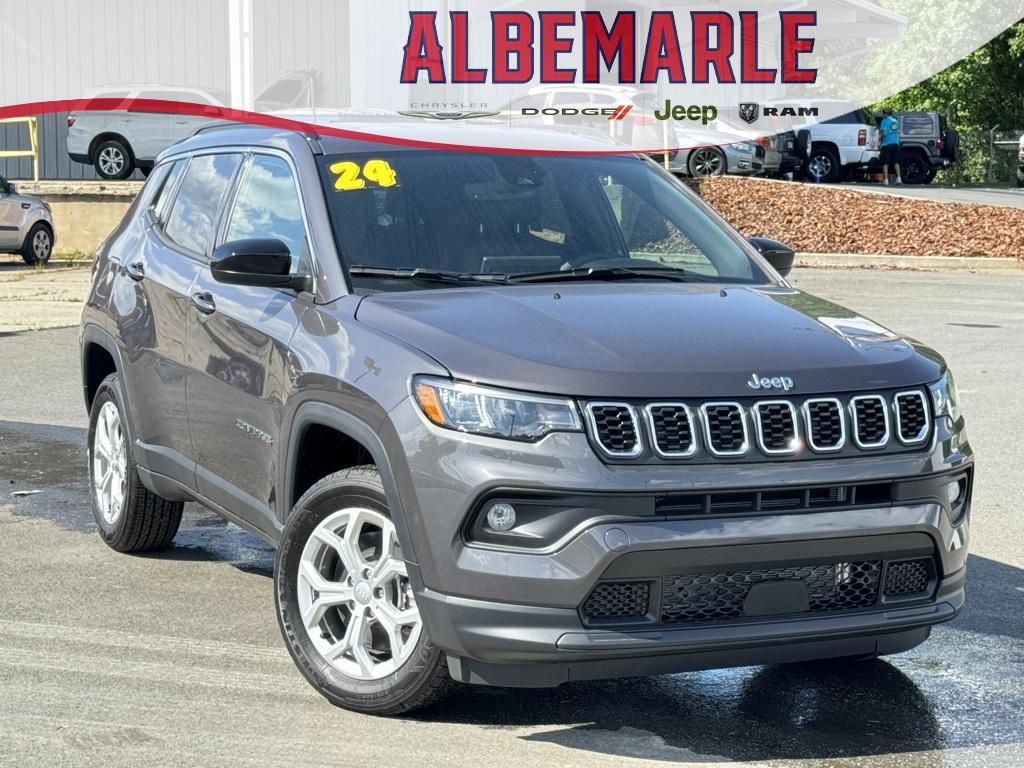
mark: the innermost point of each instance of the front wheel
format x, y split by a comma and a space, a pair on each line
345, 603
707, 161
823, 166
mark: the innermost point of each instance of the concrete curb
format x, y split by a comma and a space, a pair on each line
879, 261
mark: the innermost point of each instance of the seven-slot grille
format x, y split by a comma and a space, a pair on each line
783, 428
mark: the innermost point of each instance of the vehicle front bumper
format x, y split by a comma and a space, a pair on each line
510, 615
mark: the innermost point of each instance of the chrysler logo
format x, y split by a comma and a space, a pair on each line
784, 383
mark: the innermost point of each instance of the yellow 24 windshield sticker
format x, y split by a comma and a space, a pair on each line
349, 175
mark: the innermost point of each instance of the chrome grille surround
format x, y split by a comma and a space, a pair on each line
856, 419
649, 410
709, 437
794, 442
809, 421
923, 433
638, 446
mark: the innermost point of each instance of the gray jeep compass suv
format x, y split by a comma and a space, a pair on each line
513, 419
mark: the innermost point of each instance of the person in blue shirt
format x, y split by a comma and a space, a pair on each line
890, 128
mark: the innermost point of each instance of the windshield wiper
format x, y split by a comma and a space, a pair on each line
427, 275
605, 273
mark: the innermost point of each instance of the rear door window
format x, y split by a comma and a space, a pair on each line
192, 221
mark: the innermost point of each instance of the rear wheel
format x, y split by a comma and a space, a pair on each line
345, 603
913, 168
38, 245
131, 518
113, 160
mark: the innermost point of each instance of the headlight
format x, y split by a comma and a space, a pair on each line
494, 412
945, 399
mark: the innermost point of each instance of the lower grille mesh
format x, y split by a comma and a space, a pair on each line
715, 596
906, 577
618, 600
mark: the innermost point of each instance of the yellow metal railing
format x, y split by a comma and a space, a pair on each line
33, 138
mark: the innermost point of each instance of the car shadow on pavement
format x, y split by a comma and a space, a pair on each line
952, 691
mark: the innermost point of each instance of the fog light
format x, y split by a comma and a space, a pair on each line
501, 517
953, 492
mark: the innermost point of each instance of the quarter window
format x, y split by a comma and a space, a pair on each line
193, 217
267, 205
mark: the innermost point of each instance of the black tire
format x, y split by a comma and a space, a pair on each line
113, 160
932, 173
823, 165
420, 681
803, 145
707, 161
33, 251
913, 168
146, 521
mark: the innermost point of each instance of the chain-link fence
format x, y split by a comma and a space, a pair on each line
988, 157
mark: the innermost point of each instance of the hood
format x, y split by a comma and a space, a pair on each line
648, 340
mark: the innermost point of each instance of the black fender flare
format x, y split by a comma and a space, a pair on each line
94, 334
323, 414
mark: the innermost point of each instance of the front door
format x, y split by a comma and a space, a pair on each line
240, 371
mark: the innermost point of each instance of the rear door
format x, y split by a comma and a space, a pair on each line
149, 300
149, 133
240, 370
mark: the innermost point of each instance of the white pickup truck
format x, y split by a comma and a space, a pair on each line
840, 144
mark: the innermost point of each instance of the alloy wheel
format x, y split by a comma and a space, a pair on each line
41, 245
707, 162
820, 166
112, 161
354, 594
109, 464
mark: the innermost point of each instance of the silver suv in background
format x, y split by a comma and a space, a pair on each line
26, 225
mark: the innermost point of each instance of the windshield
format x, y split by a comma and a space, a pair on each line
505, 215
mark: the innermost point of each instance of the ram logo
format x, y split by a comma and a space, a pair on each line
749, 112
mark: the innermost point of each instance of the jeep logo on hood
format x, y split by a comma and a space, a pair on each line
784, 383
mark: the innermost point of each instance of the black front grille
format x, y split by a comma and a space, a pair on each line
907, 577
725, 428
615, 428
870, 420
703, 597
912, 410
776, 427
618, 600
774, 500
673, 429
825, 424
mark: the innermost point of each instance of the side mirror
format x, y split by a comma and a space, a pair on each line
262, 262
779, 255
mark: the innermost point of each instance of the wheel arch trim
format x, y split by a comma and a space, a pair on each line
321, 414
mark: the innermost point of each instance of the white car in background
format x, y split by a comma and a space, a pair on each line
842, 144
118, 141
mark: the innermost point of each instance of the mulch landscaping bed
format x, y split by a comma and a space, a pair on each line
817, 219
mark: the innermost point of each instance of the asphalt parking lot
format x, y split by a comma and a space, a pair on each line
1005, 196
175, 659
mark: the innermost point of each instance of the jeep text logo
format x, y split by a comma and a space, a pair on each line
784, 383
612, 113
706, 113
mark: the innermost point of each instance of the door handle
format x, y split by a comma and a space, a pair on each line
204, 302
136, 270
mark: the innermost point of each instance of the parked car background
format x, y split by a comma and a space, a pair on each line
927, 145
26, 225
839, 145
